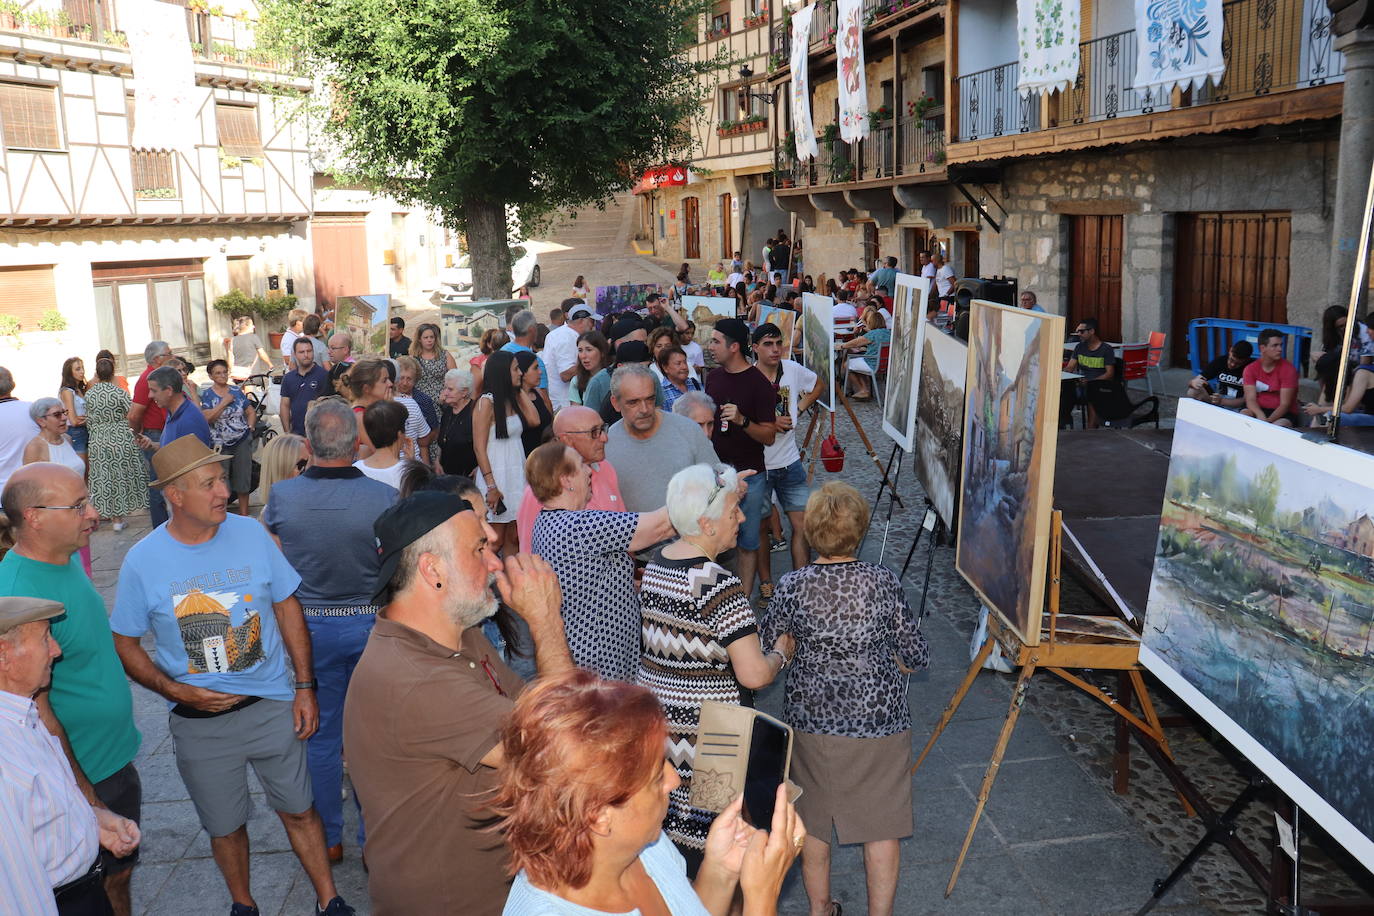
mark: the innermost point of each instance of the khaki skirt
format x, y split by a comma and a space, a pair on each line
861, 786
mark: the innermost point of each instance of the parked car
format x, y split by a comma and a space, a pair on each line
455, 283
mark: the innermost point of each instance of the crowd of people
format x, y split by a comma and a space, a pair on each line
589, 505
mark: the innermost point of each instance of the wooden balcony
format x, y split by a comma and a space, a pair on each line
1280, 67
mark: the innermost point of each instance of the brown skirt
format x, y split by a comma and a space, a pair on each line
861, 786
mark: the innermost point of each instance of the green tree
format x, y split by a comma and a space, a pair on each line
474, 106
1264, 495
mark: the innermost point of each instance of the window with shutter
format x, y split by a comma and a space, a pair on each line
26, 293
238, 130
28, 116
154, 172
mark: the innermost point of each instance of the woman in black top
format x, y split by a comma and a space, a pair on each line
456, 454
534, 434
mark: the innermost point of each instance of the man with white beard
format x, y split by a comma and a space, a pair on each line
427, 702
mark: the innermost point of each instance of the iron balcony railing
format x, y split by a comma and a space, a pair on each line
920, 149
1268, 45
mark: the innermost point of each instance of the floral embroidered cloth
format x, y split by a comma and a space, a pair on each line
1178, 44
1048, 33
849, 50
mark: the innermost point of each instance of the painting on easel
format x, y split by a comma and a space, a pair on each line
940, 408
818, 343
1261, 609
1010, 415
904, 358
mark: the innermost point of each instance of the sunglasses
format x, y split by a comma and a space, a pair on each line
301, 464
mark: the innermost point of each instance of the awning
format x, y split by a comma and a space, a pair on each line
665, 176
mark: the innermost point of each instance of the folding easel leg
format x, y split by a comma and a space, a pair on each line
954, 702
1018, 697
1147, 707
858, 428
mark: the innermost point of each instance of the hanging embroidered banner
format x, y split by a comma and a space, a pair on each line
1179, 44
803, 132
1047, 31
165, 116
849, 49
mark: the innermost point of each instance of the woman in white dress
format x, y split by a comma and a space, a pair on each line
53, 444
497, 422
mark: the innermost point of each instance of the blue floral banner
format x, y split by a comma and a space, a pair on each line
1047, 31
1179, 44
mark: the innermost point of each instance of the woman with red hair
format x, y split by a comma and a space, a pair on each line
584, 789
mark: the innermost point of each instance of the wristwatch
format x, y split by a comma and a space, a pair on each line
744, 422
311, 684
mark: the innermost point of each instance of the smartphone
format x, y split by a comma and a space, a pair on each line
766, 769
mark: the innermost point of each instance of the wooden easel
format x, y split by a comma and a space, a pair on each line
1074, 641
812, 456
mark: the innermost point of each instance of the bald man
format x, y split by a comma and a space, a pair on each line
340, 349
89, 706
582, 429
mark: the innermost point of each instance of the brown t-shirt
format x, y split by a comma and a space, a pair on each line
417, 720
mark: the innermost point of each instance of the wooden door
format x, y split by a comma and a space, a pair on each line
1095, 273
691, 217
340, 247
727, 241
1229, 265
871, 251
970, 267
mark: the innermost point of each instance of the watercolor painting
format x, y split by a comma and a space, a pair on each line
611, 299
904, 359
1011, 415
818, 343
1261, 609
940, 408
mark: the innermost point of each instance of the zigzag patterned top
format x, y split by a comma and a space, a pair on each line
693, 610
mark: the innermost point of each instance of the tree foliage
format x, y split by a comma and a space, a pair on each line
468, 106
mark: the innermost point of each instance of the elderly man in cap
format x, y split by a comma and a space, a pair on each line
748, 420
581, 429
220, 599
427, 703
50, 833
560, 349
89, 707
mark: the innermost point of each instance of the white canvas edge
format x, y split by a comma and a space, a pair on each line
920, 291
814, 300
1329, 459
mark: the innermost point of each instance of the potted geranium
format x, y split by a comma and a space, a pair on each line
878, 115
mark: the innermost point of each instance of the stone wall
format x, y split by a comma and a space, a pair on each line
1149, 187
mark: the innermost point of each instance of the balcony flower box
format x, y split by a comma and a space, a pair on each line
750, 125
877, 116
717, 34
759, 18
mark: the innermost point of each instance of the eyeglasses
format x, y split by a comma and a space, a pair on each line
79, 506
1081, 330
596, 432
301, 464
55, 414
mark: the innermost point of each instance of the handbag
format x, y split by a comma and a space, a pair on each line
724, 731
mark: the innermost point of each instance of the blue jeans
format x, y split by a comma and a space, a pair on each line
790, 485
753, 506
157, 506
337, 643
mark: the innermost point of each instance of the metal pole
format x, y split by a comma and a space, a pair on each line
1356, 284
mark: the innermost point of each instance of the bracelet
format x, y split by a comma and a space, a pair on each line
311, 684
782, 658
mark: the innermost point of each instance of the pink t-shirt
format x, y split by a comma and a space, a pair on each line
1269, 384
605, 497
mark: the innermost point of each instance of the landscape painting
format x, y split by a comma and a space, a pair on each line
1010, 418
784, 319
904, 358
1261, 606
818, 343
704, 311
940, 407
612, 299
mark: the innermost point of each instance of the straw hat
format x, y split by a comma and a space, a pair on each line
182, 455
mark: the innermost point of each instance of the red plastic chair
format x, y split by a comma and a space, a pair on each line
1135, 361
1155, 360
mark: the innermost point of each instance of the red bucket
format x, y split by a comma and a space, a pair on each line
832, 454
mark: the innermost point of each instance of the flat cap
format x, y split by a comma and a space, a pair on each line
17, 611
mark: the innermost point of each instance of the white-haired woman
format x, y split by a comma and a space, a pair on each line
53, 444
700, 635
246, 354
456, 453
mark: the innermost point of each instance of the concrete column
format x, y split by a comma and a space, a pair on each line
1352, 170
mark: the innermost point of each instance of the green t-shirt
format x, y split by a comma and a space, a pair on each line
90, 693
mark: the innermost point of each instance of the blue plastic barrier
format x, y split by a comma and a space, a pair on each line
1211, 337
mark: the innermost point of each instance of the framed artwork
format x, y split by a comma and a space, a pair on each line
818, 343
784, 319
704, 311
611, 299
1261, 608
940, 407
904, 358
1011, 412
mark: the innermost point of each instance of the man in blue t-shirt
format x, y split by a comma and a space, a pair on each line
184, 418
522, 330
300, 386
219, 597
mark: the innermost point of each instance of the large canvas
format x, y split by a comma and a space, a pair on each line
904, 358
940, 407
818, 343
1010, 417
704, 311
611, 299
1261, 605
784, 319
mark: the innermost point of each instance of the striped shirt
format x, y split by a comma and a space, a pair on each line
48, 833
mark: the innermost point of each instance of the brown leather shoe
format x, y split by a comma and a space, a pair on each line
335, 854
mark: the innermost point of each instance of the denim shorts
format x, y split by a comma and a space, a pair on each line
790, 486
754, 505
